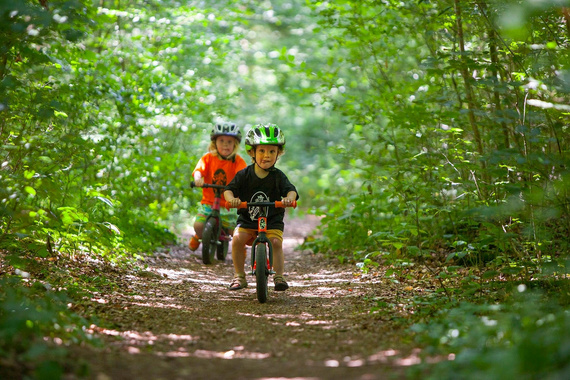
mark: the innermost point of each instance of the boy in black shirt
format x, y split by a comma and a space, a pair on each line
260, 182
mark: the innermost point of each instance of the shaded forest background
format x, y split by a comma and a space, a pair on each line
425, 133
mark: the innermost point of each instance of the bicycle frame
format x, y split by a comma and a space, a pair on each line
215, 240
262, 239
216, 206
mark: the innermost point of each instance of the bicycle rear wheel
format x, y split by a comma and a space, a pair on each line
209, 241
222, 250
261, 272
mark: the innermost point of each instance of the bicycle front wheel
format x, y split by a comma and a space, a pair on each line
261, 272
209, 241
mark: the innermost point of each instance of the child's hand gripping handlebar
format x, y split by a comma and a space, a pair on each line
218, 189
278, 204
206, 185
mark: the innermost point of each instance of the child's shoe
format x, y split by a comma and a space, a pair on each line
239, 282
280, 283
194, 243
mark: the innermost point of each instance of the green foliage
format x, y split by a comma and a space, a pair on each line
525, 338
35, 328
440, 156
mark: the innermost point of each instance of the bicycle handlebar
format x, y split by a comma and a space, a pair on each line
278, 204
208, 185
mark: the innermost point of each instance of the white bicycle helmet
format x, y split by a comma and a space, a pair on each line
226, 129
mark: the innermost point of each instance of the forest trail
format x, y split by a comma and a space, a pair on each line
178, 320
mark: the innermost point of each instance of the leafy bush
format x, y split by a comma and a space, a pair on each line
35, 327
526, 338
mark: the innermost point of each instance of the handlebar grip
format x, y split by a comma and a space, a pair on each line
280, 204
241, 205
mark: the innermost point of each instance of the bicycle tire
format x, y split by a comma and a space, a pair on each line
222, 250
261, 272
209, 241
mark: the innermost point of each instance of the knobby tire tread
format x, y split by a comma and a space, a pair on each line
261, 272
209, 238
222, 251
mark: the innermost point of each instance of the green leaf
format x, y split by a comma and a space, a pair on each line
489, 274
60, 114
30, 190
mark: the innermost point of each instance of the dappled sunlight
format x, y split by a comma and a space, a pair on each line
297, 321
410, 360
182, 352
388, 357
135, 341
317, 322
183, 274
236, 353
322, 291
162, 305
326, 274
179, 346
392, 356
141, 338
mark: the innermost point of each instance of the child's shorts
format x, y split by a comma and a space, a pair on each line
269, 233
229, 218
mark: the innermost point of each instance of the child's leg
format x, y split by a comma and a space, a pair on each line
239, 240
194, 242
200, 221
199, 228
278, 257
279, 265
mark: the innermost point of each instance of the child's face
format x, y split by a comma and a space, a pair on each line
266, 155
225, 145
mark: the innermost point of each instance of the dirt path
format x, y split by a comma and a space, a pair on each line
178, 320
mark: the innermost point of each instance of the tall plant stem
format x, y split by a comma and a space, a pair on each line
495, 70
466, 79
3, 65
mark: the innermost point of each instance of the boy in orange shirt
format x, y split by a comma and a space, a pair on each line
218, 166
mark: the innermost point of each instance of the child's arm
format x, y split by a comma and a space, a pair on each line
290, 198
198, 180
230, 199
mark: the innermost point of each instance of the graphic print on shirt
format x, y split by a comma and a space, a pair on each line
220, 178
255, 212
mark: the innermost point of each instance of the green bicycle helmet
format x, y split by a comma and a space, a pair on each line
226, 129
268, 134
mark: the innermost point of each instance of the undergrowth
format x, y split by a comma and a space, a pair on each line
36, 326
527, 336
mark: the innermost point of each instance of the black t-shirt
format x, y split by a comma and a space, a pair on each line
248, 187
